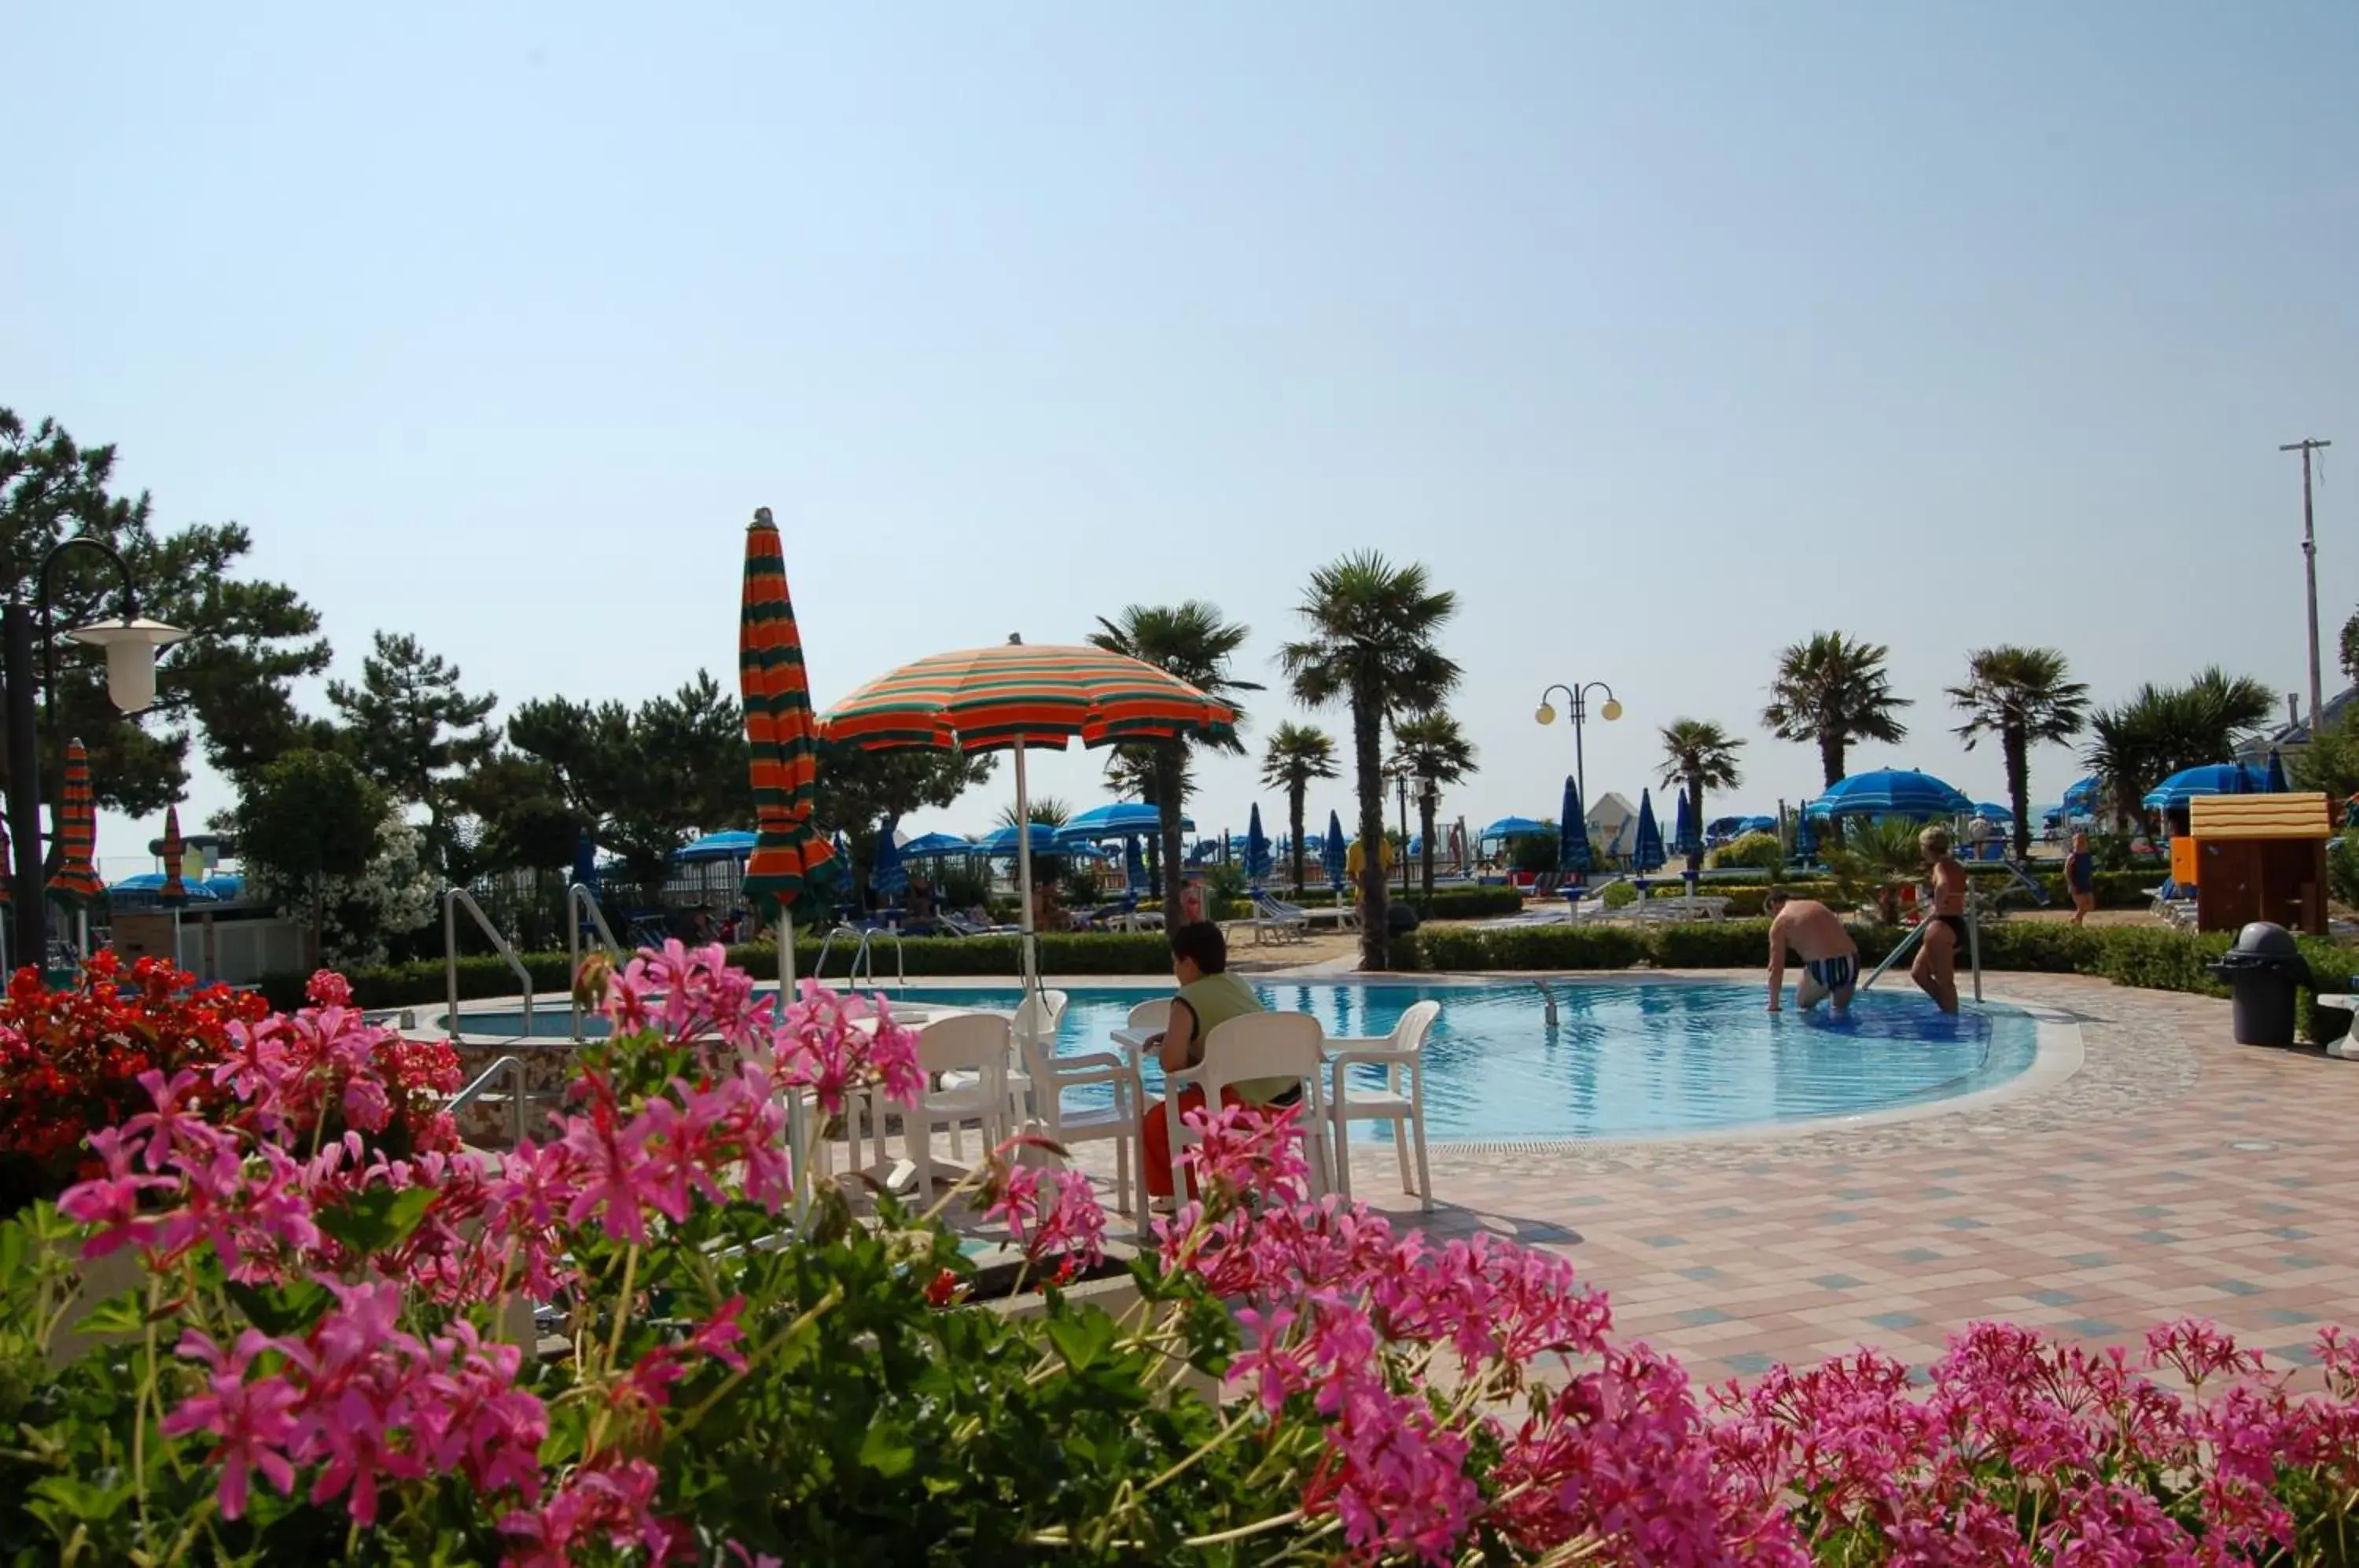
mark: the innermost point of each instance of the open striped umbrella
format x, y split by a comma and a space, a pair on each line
174, 893
787, 848
1012, 697
76, 878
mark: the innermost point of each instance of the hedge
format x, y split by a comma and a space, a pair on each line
1061, 952
2115, 889
2149, 958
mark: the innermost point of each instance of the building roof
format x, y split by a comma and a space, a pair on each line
2296, 815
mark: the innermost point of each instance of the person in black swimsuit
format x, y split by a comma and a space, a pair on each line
1936, 968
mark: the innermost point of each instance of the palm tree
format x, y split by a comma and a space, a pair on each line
1833, 690
2019, 694
2161, 729
1432, 750
1371, 648
1191, 641
1296, 755
1698, 754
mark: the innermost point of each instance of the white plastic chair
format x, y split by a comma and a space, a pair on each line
1258, 1045
1038, 1011
1400, 1102
1047, 1075
968, 1055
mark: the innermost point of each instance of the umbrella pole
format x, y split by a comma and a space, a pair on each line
1026, 966
786, 956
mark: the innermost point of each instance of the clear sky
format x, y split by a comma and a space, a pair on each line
1665, 335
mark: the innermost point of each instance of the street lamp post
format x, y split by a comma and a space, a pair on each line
131, 645
1576, 704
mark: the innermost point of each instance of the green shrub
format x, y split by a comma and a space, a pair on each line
1619, 895
1467, 903
1536, 854
1761, 850
990, 957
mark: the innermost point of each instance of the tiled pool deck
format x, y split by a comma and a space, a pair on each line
2173, 1174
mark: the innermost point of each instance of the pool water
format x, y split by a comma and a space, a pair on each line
1626, 1059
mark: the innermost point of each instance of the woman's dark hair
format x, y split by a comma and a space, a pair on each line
1202, 943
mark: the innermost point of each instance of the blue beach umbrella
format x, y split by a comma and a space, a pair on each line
1134, 864
1685, 838
1757, 824
2215, 778
1992, 812
936, 844
1118, 819
1332, 851
1256, 845
2276, 783
146, 892
1572, 832
731, 845
1806, 843
1647, 855
1514, 827
1891, 792
2081, 798
887, 874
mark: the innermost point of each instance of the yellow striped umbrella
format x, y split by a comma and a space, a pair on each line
1013, 697
175, 892
787, 849
76, 878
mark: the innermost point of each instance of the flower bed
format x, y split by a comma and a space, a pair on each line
308, 1368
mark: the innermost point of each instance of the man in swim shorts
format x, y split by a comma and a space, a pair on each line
1829, 958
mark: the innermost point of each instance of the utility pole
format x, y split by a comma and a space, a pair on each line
2309, 569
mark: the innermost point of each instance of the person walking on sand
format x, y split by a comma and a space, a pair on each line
1829, 958
2081, 877
1936, 969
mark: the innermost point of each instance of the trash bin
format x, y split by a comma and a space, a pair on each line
2263, 971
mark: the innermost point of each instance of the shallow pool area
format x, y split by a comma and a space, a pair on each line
1625, 1058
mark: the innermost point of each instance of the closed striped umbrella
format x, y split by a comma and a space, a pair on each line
76, 879
1013, 697
7, 861
174, 893
787, 849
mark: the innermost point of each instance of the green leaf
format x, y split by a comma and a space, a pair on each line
376, 1218
1083, 1338
126, 1313
79, 1500
281, 1309
885, 1450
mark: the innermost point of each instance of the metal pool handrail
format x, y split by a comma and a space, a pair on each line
1917, 934
865, 959
514, 1067
1548, 997
452, 899
579, 901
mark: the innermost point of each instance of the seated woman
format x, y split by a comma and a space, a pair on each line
1209, 996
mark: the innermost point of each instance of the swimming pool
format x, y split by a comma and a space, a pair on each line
1631, 1058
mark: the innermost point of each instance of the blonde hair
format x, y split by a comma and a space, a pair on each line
1934, 841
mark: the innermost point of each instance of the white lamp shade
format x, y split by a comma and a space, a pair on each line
131, 649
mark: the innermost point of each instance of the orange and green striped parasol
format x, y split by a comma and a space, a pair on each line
991, 698
76, 878
787, 848
175, 892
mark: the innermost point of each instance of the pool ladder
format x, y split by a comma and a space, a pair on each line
863, 955
580, 901
453, 898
